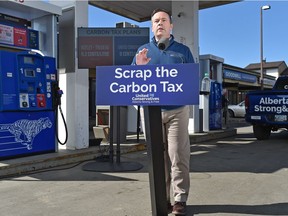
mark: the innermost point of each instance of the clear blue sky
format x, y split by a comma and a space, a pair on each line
231, 31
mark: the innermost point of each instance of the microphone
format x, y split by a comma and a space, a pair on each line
163, 43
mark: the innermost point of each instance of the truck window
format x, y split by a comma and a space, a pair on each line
281, 84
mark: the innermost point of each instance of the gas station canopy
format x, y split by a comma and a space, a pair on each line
140, 11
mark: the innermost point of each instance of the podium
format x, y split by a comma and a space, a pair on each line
150, 86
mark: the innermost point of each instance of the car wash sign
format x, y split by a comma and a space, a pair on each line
175, 84
109, 46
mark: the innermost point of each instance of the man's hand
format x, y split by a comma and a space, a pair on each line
141, 57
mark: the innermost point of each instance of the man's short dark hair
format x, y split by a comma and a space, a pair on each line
161, 10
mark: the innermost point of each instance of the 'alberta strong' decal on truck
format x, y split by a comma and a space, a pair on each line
267, 104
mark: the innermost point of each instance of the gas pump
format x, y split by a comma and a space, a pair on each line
211, 92
215, 106
28, 101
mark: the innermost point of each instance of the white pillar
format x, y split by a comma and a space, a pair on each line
75, 85
205, 107
186, 31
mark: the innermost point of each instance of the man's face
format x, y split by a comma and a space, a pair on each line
161, 25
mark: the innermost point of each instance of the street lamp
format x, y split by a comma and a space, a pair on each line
265, 7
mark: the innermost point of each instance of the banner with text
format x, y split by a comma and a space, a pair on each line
109, 46
147, 85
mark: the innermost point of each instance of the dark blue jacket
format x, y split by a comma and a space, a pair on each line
175, 53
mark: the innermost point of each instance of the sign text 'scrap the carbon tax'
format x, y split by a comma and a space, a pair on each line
175, 84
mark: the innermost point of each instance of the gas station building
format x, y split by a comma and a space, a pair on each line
58, 22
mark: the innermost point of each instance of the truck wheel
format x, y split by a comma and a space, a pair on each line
261, 132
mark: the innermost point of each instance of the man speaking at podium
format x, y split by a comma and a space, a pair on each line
163, 49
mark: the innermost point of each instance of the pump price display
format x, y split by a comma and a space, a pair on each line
28, 60
147, 85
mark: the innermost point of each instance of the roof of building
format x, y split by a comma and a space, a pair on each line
275, 64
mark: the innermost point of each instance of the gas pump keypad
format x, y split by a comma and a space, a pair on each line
32, 76
24, 101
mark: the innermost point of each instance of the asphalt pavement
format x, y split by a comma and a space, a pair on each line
235, 175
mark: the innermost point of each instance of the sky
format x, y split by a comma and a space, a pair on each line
231, 31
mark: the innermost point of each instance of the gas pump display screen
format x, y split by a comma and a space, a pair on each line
28, 60
29, 73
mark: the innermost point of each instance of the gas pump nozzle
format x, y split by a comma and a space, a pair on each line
57, 94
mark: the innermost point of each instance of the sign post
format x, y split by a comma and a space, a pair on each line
155, 153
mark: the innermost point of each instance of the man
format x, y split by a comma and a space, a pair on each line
175, 119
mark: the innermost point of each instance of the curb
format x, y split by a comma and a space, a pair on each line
212, 135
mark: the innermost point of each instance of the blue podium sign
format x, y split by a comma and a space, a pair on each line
147, 85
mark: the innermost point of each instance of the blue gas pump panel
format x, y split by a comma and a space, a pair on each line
8, 81
27, 114
26, 79
215, 106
